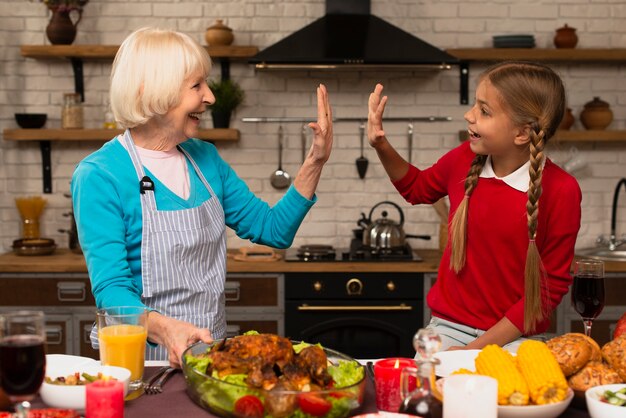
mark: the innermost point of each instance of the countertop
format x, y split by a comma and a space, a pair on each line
64, 261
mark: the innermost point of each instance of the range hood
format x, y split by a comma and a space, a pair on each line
348, 37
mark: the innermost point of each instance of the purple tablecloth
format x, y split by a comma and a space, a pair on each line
174, 402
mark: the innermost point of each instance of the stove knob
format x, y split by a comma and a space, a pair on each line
391, 286
354, 287
359, 254
317, 286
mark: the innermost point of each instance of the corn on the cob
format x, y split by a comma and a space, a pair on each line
546, 381
495, 362
463, 370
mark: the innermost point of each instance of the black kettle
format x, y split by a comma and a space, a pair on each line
384, 233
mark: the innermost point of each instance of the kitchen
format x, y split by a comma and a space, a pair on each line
38, 86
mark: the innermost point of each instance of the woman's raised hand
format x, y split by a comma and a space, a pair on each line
323, 128
376, 107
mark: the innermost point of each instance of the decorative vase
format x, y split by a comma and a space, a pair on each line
565, 37
61, 30
221, 119
219, 34
568, 120
596, 115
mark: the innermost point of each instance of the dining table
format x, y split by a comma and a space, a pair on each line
175, 402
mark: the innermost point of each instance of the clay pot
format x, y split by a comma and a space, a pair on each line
61, 30
596, 115
219, 34
568, 120
565, 37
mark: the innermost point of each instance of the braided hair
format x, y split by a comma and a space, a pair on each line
533, 95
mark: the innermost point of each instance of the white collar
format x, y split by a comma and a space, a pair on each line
519, 179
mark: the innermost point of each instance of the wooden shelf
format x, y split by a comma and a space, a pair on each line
536, 54
213, 135
590, 136
109, 51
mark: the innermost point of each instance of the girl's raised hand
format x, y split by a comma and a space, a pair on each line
376, 107
323, 128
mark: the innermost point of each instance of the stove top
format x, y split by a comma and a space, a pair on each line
356, 252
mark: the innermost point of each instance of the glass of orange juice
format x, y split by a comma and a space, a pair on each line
122, 334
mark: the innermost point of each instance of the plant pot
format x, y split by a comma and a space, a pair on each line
565, 37
61, 30
221, 119
219, 34
568, 120
596, 115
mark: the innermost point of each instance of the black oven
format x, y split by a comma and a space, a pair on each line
364, 315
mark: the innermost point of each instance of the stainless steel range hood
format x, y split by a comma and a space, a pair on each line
348, 37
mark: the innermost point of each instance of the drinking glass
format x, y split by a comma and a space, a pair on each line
588, 291
122, 334
22, 357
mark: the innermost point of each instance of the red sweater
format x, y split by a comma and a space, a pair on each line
491, 285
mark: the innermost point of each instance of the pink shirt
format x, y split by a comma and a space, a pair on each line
491, 285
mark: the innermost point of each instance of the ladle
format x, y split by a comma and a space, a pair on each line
361, 162
410, 141
280, 179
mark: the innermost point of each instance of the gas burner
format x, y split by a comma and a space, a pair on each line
314, 252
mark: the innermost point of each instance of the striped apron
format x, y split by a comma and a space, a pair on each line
183, 258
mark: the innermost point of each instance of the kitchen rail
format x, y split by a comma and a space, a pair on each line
346, 119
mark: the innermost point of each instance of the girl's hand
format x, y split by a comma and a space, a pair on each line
322, 129
376, 107
175, 335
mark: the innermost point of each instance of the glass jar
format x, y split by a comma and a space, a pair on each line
72, 114
109, 119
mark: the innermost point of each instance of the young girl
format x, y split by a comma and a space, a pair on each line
514, 215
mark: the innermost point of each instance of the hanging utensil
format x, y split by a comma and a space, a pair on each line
303, 141
410, 139
280, 179
361, 162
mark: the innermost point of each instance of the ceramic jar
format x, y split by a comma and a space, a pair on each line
568, 120
565, 37
61, 30
219, 34
596, 115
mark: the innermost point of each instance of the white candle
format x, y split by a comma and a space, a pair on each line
470, 396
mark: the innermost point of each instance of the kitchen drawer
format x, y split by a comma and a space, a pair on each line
239, 322
262, 290
45, 291
82, 343
59, 334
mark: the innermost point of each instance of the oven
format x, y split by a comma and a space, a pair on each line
362, 314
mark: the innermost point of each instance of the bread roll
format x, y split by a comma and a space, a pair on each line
614, 353
593, 374
572, 352
596, 352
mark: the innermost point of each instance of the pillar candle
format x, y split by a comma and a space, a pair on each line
104, 399
387, 379
470, 396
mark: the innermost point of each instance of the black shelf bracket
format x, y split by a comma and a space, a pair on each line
225, 66
79, 83
46, 164
464, 88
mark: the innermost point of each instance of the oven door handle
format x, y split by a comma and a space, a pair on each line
401, 307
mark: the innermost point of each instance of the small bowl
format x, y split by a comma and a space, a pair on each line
31, 120
599, 409
73, 397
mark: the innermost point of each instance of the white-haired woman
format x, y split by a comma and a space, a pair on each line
152, 204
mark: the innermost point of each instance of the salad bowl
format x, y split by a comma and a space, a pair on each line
238, 400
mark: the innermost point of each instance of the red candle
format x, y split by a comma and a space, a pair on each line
104, 399
387, 378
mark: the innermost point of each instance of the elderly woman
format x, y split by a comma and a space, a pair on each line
152, 204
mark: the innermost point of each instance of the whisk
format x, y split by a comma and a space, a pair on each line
30, 209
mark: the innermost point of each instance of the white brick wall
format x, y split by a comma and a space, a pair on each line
37, 86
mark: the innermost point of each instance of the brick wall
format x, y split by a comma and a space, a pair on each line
38, 85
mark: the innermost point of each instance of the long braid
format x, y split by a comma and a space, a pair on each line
459, 221
534, 309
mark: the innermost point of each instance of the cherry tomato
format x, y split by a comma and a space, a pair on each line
313, 404
249, 406
620, 328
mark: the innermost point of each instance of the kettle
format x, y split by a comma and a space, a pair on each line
384, 233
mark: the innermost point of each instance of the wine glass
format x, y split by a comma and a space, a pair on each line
22, 357
588, 291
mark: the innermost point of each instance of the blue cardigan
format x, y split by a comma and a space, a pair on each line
107, 207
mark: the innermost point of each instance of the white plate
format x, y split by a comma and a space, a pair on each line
73, 397
455, 360
551, 410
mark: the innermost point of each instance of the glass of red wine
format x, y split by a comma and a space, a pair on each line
588, 291
22, 356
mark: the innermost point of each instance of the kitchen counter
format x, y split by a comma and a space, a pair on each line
64, 261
